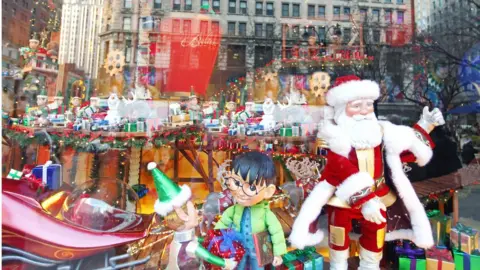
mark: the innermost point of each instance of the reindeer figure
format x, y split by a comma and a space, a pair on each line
306, 173
116, 109
216, 202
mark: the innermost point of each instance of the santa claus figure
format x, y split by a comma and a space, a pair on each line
364, 176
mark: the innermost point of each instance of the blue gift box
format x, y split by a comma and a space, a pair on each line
52, 172
232, 132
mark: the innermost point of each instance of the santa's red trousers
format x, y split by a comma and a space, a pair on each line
340, 225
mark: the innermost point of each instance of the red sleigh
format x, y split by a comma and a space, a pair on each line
41, 230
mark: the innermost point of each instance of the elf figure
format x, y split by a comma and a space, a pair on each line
193, 107
57, 107
76, 103
252, 182
42, 109
92, 108
247, 113
181, 216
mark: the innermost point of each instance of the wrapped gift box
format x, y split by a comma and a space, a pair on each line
307, 259
224, 244
465, 261
441, 226
410, 258
405, 263
50, 174
180, 118
232, 132
130, 127
286, 132
440, 258
464, 238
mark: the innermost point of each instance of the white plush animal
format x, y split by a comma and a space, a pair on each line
268, 119
116, 109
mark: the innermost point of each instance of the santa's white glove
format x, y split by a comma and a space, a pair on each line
431, 119
371, 211
230, 264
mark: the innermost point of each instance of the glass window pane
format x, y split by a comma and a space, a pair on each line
285, 10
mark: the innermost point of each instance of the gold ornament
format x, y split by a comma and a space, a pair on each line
114, 62
319, 83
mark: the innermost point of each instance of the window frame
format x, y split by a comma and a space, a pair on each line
216, 8
231, 33
125, 2
242, 33
243, 10
258, 34
272, 10
232, 9
188, 7
157, 3
398, 16
309, 9
319, 8
287, 5
129, 19
294, 5
176, 6
257, 10
268, 33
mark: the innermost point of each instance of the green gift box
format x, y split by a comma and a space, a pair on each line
405, 263
464, 238
465, 261
130, 127
441, 226
286, 132
301, 259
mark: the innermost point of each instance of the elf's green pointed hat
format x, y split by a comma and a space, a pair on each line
59, 95
43, 93
169, 193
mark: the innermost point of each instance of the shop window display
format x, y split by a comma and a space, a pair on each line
231, 134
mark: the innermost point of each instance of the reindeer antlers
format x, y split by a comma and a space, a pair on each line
302, 169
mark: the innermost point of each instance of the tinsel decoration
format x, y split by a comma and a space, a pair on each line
122, 159
134, 166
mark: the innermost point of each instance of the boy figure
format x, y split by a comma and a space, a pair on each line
252, 182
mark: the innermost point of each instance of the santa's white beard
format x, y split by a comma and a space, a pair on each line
364, 131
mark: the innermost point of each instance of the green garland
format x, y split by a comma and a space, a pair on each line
81, 142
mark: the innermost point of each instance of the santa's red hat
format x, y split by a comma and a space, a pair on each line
350, 88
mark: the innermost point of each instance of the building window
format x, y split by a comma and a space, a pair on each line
236, 55
270, 11
187, 26
243, 7
215, 27
296, 31
336, 12
127, 24
376, 15
258, 30
311, 11
388, 36
346, 10
157, 4
296, 10
127, 3
388, 16
363, 13
232, 6
269, 30
176, 26
321, 11
376, 36
259, 8
203, 27
321, 34
347, 34
400, 17
399, 2
285, 10
176, 4
216, 5
231, 28
388, 1
128, 50
188, 4
263, 56
147, 23
242, 29
205, 4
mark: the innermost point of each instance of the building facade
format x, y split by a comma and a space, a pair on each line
253, 32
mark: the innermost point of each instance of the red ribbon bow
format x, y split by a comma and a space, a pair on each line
440, 254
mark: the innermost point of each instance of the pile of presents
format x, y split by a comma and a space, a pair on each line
455, 248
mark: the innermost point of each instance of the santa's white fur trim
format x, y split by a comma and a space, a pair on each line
421, 230
335, 138
164, 209
311, 209
353, 90
353, 184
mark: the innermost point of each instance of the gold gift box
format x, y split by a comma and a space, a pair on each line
180, 118
432, 264
463, 241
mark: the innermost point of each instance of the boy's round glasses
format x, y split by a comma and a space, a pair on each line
249, 190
